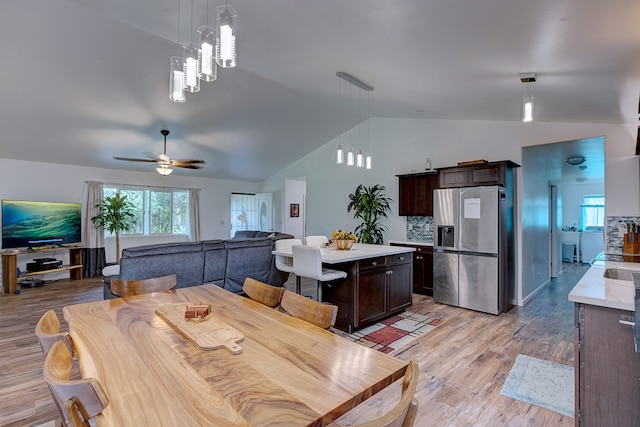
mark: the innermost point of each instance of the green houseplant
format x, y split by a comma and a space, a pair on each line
116, 215
370, 205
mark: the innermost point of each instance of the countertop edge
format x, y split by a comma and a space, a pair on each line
594, 289
411, 242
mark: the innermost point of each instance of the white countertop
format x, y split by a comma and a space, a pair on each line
595, 289
331, 255
412, 242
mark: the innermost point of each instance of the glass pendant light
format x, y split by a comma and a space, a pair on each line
207, 42
350, 157
191, 67
339, 155
359, 159
527, 109
226, 33
527, 100
176, 80
368, 161
176, 73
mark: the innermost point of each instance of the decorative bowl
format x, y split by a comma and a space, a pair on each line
343, 245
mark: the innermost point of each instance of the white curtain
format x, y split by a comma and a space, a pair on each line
194, 214
93, 254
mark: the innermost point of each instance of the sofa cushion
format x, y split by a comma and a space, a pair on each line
185, 260
243, 234
247, 258
215, 261
162, 249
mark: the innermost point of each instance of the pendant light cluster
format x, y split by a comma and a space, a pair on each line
199, 62
527, 100
355, 157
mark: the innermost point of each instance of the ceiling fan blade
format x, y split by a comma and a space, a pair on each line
185, 161
131, 159
185, 165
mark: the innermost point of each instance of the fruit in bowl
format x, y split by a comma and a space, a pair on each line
343, 240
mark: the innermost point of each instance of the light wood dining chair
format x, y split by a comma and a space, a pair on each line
404, 413
314, 312
127, 288
285, 263
48, 332
262, 292
77, 400
307, 262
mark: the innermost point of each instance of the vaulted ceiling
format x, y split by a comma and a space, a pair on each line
85, 80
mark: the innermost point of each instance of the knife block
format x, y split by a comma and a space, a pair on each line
631, 247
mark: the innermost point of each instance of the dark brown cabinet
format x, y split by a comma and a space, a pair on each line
422, 268
375, 288
607, 367
416, 194
493, 173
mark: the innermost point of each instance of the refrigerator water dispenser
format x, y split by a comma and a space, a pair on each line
446, 236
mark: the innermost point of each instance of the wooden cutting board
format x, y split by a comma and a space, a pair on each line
208, 333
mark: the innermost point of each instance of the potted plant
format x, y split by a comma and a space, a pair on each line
370, 205
116, 215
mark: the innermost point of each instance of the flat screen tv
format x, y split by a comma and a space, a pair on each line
37, 224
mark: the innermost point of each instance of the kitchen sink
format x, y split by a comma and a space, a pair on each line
618, 274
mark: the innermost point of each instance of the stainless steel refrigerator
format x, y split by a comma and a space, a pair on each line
469, 259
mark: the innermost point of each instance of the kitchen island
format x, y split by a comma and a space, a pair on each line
607, 368
378, 284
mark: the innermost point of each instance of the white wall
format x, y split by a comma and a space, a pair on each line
21, 180
401, 145
295, 192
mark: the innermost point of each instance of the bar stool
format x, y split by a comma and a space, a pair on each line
307, 262
285, 263
316, 240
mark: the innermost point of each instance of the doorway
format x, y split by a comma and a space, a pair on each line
575, 168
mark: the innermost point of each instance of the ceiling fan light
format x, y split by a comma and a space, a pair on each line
164, 170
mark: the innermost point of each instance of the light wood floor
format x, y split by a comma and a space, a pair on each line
463, 362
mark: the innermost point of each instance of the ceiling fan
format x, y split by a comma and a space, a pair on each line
165, 162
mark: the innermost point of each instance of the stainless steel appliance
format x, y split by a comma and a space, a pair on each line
470, 248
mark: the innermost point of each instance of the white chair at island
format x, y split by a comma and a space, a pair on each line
285, 263
307, 262
316, 240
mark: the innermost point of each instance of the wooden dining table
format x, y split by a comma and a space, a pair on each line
286, 373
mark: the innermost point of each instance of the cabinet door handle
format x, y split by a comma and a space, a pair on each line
626, 322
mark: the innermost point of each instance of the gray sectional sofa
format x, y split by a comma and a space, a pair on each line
226, 263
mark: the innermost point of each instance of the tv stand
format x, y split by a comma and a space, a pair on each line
10, 266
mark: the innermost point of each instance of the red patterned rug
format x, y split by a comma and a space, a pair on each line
395, 332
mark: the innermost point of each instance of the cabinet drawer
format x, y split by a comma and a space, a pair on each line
369, 263
399, 258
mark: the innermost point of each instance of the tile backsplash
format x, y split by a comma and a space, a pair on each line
420, 228
616, 228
